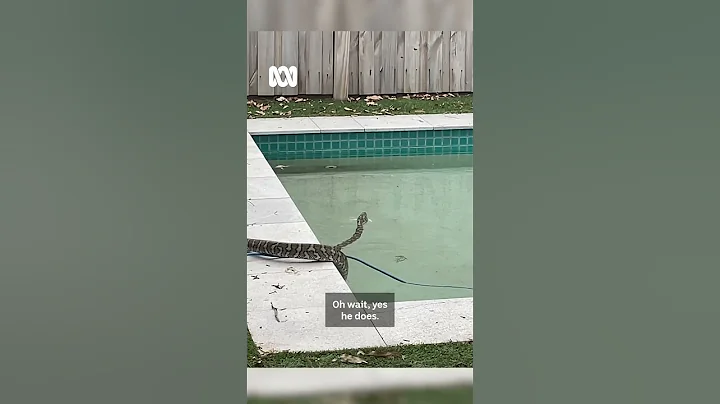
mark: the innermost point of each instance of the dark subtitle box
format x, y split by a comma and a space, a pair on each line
359, 310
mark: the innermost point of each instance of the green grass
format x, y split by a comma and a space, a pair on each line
455, 395
447, 355
276, 107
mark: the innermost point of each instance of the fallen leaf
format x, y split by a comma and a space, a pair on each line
351, 359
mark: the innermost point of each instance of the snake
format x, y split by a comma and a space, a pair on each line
312, 252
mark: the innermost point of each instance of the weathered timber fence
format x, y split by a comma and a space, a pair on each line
342, 63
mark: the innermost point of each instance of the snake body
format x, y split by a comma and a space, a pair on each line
312, 252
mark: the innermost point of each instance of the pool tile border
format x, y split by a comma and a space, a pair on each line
300, 324
363, 136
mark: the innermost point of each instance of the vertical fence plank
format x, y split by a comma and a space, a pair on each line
302, 63
412, 61
341, 69
354, 66
377, 60
328, 55
314, 58
434, 62
423, 63
389, 62
446, 61
266, 58
457, 61
400, 58
366, 63
469, 61
252, 67
289, 52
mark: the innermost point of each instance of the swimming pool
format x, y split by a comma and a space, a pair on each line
420, 211
309, 178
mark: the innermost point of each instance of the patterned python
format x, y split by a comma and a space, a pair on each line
312, 252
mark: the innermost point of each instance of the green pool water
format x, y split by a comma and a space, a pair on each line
420, 211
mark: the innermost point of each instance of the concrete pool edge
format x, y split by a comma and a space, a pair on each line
333, 124
296, 290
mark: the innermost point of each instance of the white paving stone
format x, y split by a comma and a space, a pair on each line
280, 210
431, 322
265, 265
294, 232
303, 330
334, 124
292, 290
259, 167
392, 123
449, 121
265, 187
273, 126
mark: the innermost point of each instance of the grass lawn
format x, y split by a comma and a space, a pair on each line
277, 107
448, 355
455, 395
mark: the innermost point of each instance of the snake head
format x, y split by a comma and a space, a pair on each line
362, 219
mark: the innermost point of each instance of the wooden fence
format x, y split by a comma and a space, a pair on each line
342, 63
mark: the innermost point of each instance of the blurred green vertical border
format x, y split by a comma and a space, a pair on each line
242, 345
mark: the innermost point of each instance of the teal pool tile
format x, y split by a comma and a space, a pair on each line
362, 144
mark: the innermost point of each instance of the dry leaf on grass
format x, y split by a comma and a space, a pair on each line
351, 359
